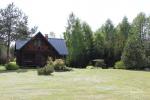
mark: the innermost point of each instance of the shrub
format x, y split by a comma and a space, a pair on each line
134, 54
119, 65
59, 65
46, 70
11, 66
99, 63
13, 59
50, 61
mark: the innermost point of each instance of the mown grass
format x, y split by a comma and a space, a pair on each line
2, 68
79, 84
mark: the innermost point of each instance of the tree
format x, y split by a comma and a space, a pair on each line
13, 25
79, 39
68, 38
108, 31
141, 27
75, 42
121, 36
134, 53
88, 42
78, 45
99, 46
139, 24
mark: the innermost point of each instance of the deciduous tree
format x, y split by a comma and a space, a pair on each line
13, 25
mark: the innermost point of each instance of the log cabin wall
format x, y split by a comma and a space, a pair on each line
36, 52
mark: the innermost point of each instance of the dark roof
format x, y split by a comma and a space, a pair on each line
20, 43
58, 44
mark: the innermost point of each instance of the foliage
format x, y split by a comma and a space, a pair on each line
108, 42
59, 65
139, 25
46, 70
121, 36
88, 42
11, 66
13, 25
119, 65
50, 61
108, 31
78, 38
134, 53
99, 46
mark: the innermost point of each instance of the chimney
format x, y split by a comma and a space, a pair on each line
46, 36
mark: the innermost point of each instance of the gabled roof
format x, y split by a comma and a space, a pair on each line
20, 43
58, 44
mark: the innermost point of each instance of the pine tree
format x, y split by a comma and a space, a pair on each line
134, 53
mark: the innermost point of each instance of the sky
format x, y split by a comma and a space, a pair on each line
52, 15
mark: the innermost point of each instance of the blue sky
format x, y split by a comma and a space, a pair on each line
52, 15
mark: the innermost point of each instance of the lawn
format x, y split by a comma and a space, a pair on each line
80, 84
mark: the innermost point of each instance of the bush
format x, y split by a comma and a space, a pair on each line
119, 65
59, 65
99, 63
12, 66
46, 70
134, 54
50, 61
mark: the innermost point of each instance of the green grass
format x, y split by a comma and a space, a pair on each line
2, 68
80, 84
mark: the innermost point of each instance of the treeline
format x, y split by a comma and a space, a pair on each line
128, 42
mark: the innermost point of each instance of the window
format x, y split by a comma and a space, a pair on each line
37, 43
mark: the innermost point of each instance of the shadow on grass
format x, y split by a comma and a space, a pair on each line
26, 69
17, 71
65, 70
139, 70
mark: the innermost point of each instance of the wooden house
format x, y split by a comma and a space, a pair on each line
35, 51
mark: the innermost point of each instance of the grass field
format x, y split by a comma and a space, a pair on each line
80, 84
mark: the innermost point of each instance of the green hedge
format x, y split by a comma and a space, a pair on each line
11, 66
